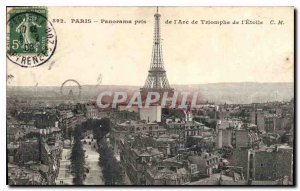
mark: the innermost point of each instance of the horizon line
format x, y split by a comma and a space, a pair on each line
7, 85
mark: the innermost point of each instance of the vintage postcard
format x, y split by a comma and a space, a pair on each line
150, 96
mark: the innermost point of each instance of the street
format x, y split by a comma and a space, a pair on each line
94, 172
64, 176
94, 176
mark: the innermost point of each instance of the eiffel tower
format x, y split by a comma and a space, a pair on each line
157, 79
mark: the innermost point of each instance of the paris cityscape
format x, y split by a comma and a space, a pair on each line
239, 133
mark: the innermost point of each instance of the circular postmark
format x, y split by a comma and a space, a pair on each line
31, 39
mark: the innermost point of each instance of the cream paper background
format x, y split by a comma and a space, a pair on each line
193, 54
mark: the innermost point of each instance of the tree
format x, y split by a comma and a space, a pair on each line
77, 157
213, 124
100, 127
111, 169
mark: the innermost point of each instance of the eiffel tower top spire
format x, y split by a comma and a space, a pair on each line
157, 78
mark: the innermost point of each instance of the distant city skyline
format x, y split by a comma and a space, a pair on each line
193, 54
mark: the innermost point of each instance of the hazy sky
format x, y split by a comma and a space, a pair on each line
193, 54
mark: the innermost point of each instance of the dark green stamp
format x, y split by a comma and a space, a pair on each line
31, 37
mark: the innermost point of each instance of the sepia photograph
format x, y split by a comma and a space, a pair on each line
150, 96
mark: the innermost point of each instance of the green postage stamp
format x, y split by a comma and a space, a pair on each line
31, 37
